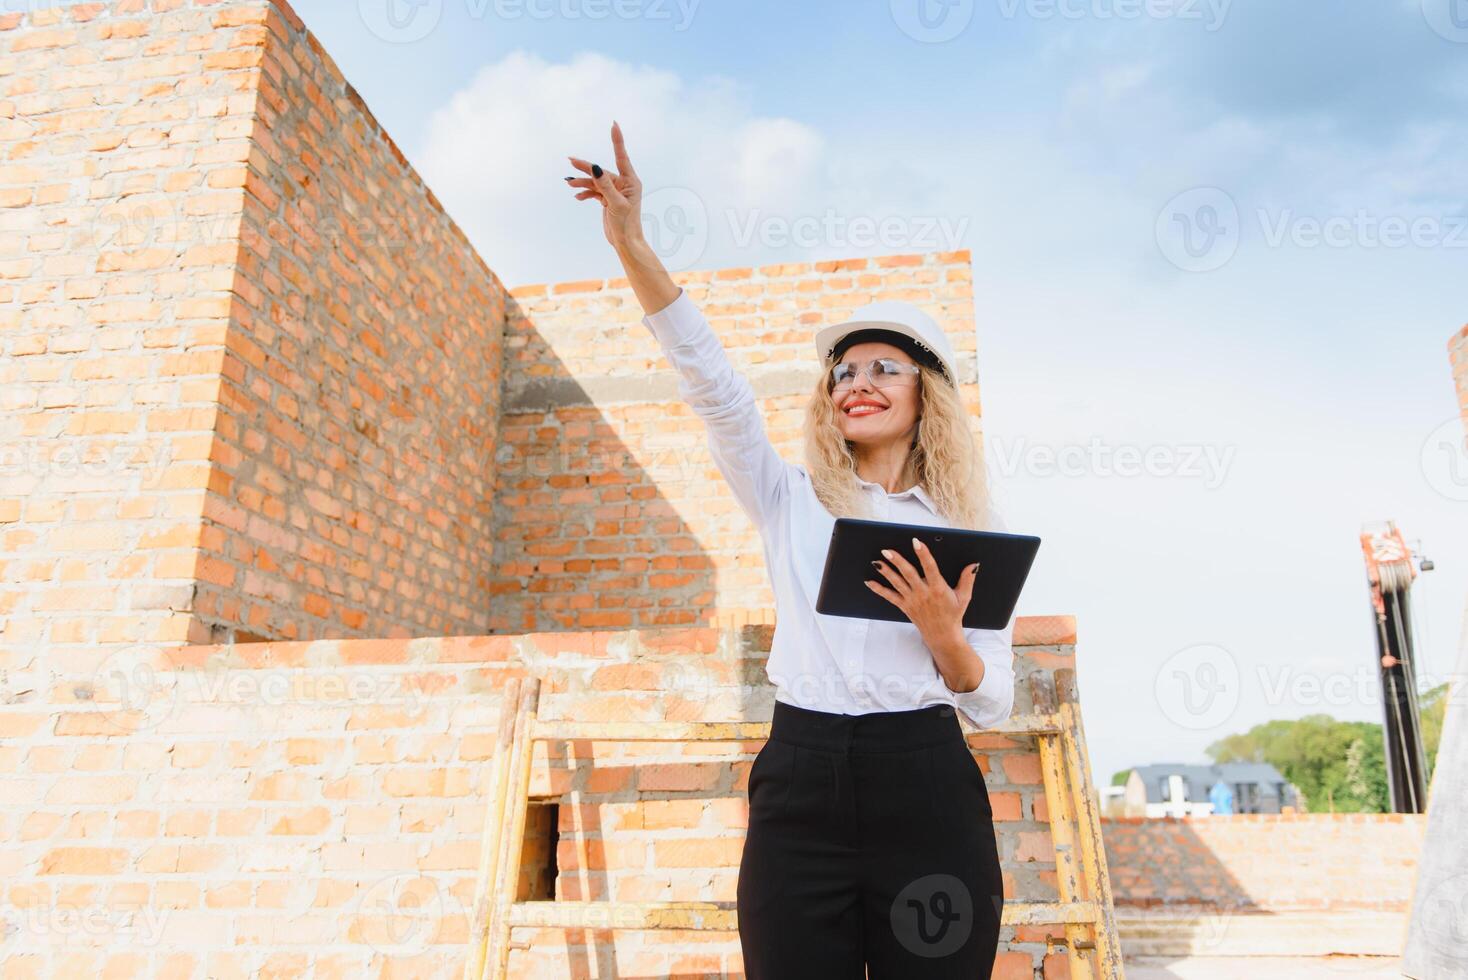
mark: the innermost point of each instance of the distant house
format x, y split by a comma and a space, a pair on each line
1174, 790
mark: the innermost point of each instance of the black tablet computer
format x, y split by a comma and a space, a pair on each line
1004, 564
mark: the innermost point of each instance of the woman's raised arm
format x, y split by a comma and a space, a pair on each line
707, 381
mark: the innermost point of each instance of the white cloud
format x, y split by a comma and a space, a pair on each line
495, 154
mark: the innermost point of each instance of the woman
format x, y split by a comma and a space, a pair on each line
870, 849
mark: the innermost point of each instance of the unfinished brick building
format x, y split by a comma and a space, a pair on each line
294, 485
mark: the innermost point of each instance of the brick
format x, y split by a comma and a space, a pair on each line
1013, 966
1022, 769
83, 861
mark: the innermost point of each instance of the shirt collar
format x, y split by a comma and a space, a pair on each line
916, 490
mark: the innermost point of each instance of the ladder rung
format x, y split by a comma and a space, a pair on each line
625, 915
651, 731
1050, 913
730, 731
723, 915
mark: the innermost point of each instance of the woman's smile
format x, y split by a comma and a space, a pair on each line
865, 408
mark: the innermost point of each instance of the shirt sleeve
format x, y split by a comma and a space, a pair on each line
723, 398
991, 702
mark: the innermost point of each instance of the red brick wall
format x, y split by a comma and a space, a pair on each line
354, 452
1266, 862
610, 514
234, 296
275, 809
126, 136
306, 377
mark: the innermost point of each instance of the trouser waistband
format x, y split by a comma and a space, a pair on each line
876, 731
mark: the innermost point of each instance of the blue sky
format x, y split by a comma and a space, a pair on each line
1200, 230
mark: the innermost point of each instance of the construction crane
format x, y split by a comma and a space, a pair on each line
1389, 574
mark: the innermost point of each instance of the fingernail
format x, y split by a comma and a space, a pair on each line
916, 543
876, 564
596, 170
568, 178
887, 552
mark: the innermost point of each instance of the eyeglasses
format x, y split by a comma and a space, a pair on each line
883, 371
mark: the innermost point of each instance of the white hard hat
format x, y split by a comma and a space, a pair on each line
894, 317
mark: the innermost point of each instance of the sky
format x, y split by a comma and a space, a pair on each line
1218, 249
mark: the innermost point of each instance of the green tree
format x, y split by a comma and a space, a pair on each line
1365, 788
1433, 705
1334, 764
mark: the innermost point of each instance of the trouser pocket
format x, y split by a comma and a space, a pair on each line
770, 778
958, 784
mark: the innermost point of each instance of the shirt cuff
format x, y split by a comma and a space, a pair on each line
674, 322
992, 702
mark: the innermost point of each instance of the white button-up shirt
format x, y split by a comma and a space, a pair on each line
830, 663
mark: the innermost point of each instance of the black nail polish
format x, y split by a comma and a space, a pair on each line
596, 170
568, 178
876, 564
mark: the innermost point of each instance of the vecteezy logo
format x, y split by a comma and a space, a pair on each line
1449, 18
1198, 230
1198, 686
132, 693
1445, 460
933, 916
675, 224
400, 21
414, 461
932, 21
691, 684
403, 912
1445, 921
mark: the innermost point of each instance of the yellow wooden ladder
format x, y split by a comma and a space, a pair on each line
1084, 910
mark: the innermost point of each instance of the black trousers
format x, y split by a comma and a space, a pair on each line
870, 850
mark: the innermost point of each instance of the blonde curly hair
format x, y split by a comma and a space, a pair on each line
945, 456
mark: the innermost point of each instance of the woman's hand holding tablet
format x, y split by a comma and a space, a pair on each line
989, 594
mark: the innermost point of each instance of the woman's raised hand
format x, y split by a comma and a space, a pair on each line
620, 193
